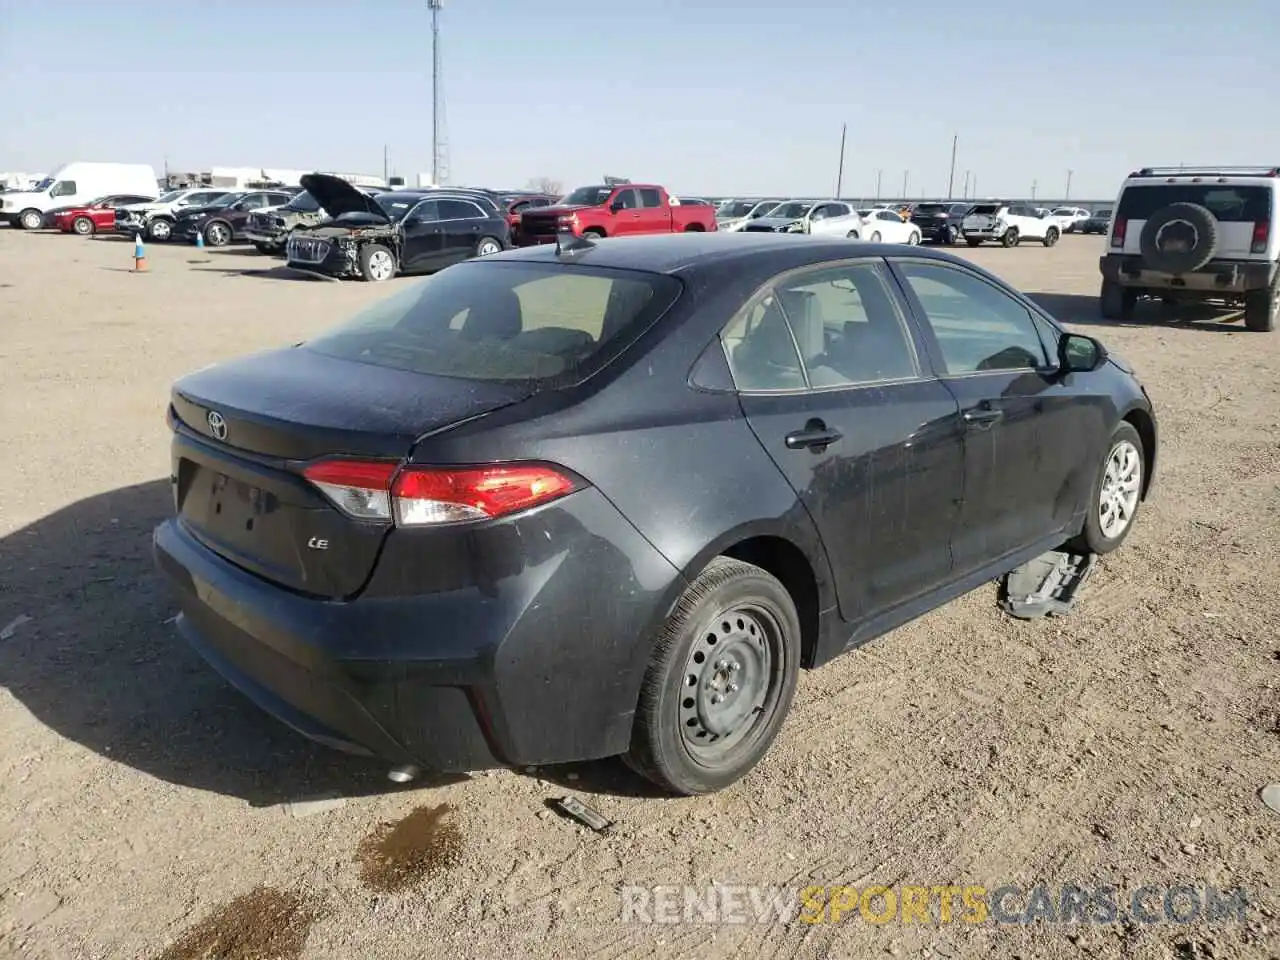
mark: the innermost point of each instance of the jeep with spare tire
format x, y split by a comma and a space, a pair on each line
1203, 234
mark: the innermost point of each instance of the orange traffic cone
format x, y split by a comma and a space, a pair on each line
139, 254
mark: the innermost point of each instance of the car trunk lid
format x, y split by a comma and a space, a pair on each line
245, 430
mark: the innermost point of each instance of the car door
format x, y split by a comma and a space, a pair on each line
831, 380
1031, 435
460, 225
240, 211
626, 212
655, 216
423, 247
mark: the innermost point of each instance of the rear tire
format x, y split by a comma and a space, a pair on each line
217, 234
487, 247
1260, 310
851, 235
875, 237
1010, 238
735, 634
83, 226
1117, 302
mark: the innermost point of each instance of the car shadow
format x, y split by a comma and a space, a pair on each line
279, 272
1081, 310
100, 663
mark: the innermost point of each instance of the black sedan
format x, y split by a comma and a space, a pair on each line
409, 231
609, 498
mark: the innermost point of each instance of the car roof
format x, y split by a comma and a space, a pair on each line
688, 252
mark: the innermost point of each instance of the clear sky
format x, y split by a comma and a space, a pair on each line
703, 95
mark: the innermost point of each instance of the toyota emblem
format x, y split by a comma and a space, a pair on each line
217, 425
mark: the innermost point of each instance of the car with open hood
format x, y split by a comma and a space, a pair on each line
268, 229
401, 231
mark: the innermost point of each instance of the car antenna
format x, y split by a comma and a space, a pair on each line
568, 244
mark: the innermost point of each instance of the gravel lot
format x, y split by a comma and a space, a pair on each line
145, 808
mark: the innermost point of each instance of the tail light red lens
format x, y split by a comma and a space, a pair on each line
1118, 232
423, 496
1261, 232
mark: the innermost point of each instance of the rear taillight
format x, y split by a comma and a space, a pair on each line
1117, 233
1261, 232
423, 496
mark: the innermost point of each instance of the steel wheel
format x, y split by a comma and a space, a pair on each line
31, 219
1120, 490
381, 266
488, 247
729, 678
82, 226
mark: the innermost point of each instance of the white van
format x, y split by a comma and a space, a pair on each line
76, 183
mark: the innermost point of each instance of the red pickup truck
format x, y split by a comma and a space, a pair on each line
620, 210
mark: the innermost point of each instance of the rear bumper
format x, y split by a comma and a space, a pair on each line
935, 231
539, 662
1216, 278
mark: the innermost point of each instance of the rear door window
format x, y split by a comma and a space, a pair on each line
505, 321
1229, 203
650, 198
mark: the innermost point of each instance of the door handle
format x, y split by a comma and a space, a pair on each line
816, 435
982, 416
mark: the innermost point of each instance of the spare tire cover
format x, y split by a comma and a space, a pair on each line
1179, 238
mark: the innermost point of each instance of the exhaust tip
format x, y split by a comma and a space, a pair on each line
404, 774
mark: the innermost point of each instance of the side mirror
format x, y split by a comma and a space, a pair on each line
1080, 354
616, 206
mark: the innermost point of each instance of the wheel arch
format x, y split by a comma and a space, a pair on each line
1145, 424
803, 570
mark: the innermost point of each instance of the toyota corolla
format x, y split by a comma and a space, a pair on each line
578, 501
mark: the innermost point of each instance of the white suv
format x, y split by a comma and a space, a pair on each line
1202, 234
155, 219
1010, 223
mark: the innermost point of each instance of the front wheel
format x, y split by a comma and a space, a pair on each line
720, 680
159, 229
1117, 492
913, 239
487, 247
376, 263
31, 219
83, 226
217, 234
851, 235
1051, 237
593, 234
950, 236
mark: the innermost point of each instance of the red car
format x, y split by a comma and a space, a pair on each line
96, 215
614, 210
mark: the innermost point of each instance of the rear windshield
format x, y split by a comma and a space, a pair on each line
986, 208
928, 208
303, 203
504, 321
1227, 203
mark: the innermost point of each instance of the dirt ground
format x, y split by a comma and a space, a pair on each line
146, 809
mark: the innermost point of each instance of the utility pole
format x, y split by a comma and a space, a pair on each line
1033, 190
974, 187
879, 176
905, 175
434, 6
1069, 173
951, 180
386, 164
844, 129
966, 186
